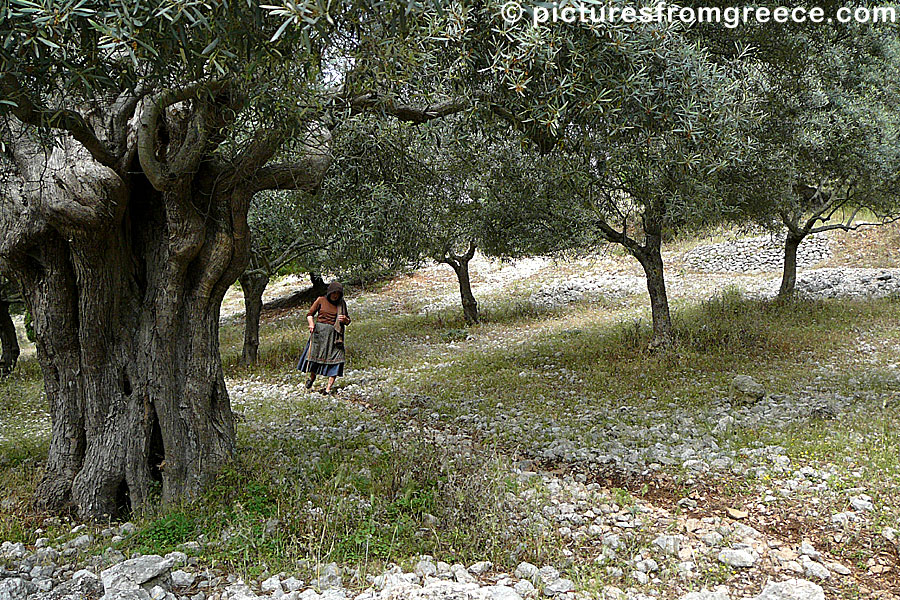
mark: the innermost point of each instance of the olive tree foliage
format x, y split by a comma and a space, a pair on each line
279, 235
350, 227
134, 136
830, 140
638, 120
480, 193
434, 192
827, 138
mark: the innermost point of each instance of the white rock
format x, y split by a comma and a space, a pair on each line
501, 592
792, 589
425, 568
526, 570
480, 568
525, 588
809, 550
272, 584
329, 577
15, 589
737, 557
13, 550
182, 578
238, 591
292, 584
135, 572
548, 574
862, 503
81, 542
720, 593
462, 575
559, 586
668, 544
814, 569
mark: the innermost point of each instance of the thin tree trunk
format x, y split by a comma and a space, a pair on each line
469, 304
253, 285
8, 340
651, 260
789, 276
300, 297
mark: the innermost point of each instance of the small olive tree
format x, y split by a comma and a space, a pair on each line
830, 137
637, 120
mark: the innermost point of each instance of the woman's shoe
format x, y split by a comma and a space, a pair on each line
309, 383
327, 392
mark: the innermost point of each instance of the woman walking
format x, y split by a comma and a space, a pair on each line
324, 352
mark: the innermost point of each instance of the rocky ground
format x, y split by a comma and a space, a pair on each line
722, 514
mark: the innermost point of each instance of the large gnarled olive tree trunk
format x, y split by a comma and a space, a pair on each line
125, 234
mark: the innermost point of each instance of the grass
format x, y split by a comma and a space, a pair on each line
304, 492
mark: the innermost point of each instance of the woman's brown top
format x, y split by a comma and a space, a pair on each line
327, 312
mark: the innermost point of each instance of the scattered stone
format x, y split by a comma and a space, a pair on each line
426, 568
744, 385
272, 584
526, 571
737, 558
142, 572
329, 577
792, 589
182, 579
668, 544
814, 569
15, 588
559, 586
238, 591
862, 503
480, 568
501, 592
721, 593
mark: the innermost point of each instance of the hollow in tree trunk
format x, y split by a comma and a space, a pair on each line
8, 340
789, 276
253, 284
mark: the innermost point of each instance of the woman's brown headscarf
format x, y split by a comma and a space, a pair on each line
333, 287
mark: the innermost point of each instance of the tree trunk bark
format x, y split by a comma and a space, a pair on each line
126, 320
469, 304
124, 245
651, 260
789, 276
253, 285
8, 340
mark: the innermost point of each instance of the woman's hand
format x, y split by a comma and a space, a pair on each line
312, 327
343, 318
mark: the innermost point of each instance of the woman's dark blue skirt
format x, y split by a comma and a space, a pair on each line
335, 370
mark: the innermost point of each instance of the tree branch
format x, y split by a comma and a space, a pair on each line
406, 112
305, 174
67, 120
160, 174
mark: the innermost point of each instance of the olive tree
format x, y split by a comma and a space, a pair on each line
638, 119
280, 235
135, 135
830, 139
